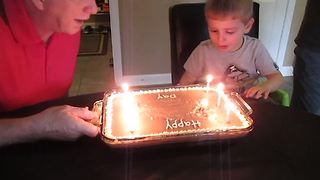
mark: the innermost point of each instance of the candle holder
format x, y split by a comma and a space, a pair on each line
172, 114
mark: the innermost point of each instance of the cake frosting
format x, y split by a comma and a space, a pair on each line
170, 111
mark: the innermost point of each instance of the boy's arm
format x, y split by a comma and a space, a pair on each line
274, 81
187, 79
272, 84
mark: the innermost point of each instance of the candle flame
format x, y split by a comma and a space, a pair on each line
220, 87
204, 102
132, 118
229, 106
209, 78
130, 109
130, 114
125, 87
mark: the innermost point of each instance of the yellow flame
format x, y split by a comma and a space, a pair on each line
209, 78
125, 87
220, 87
130, 108
204, 102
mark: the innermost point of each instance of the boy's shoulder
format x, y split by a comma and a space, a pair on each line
206, 43
250, 39
204, 46
253, 43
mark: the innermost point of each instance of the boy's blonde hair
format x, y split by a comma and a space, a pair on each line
222, 9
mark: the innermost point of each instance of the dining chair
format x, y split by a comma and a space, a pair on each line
188, 28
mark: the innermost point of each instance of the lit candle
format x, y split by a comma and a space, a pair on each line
132, 117
204, 102
125, 87
228, 107
130, 110
209, 79
220, 88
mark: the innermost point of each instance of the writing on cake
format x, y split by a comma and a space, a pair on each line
180, 123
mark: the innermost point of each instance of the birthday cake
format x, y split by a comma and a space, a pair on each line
171, 112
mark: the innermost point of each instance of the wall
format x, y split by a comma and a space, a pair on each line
297, 19
145, 35
142, 48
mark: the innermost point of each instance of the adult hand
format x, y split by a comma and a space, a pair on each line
66, 123
60, 122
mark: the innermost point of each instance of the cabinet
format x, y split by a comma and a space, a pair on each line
95, 34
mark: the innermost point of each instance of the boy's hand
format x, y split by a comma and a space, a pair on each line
258, 92
273, 83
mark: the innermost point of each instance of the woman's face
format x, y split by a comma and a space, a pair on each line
68, 16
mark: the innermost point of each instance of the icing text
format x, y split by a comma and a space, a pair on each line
175, 123
166, 96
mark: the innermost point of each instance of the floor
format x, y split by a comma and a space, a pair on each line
95, 74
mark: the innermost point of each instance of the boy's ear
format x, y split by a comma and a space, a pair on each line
249, 25
39, 4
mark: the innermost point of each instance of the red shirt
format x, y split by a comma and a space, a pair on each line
32, 71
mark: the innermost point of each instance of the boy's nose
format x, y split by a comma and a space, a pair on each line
221, 38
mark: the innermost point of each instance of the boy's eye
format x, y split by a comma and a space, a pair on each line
213, 31
216, 31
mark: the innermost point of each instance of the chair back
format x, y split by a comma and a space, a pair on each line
188, 27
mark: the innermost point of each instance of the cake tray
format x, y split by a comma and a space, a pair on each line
241, 109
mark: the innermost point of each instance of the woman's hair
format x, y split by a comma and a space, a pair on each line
222, 9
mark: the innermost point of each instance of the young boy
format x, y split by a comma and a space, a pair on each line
231, 56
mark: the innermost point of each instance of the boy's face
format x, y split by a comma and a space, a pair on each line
227, 33
68, 16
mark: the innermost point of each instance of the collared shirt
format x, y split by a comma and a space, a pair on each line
32, 71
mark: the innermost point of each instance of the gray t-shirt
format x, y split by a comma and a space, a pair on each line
252, 59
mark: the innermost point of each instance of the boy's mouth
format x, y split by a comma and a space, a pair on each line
223, 47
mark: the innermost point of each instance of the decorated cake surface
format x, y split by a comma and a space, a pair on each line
169, 112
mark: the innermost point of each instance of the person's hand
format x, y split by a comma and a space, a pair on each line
258, 92
66, 123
